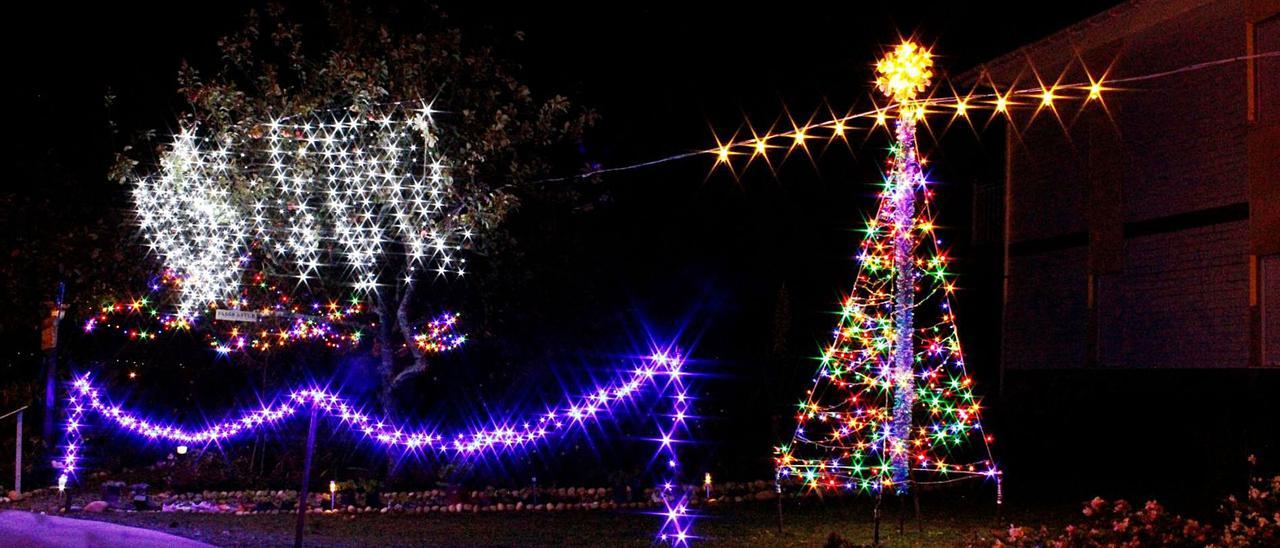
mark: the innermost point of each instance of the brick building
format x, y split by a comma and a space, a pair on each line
1140, 243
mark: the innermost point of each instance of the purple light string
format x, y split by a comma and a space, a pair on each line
86, 397
677, 520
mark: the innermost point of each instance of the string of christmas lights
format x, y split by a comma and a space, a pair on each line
418, 103
759, 147
1043, 96
657, 376
279, 321
440, 336
85, 397
677, 518
957, 106
891, 400
333, 189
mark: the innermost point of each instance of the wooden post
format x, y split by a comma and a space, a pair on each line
17, 448
306, 478
17, 456
50, 390
49, 345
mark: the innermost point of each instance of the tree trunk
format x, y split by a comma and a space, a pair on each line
406, 330
419, 365
390, 321
386, 374
386, 360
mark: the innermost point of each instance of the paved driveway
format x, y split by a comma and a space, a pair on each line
35, 530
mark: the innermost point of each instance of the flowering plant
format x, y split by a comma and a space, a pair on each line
1251, 521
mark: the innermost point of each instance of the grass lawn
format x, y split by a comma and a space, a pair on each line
807, 523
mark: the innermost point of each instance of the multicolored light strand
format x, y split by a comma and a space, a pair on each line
891, 400
655, 377
439, 335
278, 321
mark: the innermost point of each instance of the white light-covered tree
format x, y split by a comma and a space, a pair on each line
326, 173
353, 200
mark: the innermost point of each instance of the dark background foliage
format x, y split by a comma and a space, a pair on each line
745, 269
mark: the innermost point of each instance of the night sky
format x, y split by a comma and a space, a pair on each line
673, 243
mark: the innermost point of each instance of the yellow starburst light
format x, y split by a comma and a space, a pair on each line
905, 72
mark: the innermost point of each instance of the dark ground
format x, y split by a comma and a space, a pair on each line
808, 523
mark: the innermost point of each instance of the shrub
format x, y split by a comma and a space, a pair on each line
1254, 521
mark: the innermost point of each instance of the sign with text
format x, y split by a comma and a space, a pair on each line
235, 315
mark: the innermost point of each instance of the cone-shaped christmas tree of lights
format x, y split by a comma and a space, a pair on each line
891, 403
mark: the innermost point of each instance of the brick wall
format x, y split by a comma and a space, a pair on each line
1184, 299
1044, 319
1185, 134
1271, 311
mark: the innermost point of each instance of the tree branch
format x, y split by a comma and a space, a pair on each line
418, 368
406, 331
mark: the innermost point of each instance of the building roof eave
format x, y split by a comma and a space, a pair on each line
1115, 23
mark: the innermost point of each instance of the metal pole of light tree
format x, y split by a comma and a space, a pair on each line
875, 528
306, 478
915, 495
999, 497
779, 495
777, 492
902, 515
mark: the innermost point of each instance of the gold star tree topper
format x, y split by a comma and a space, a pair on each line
904, 72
